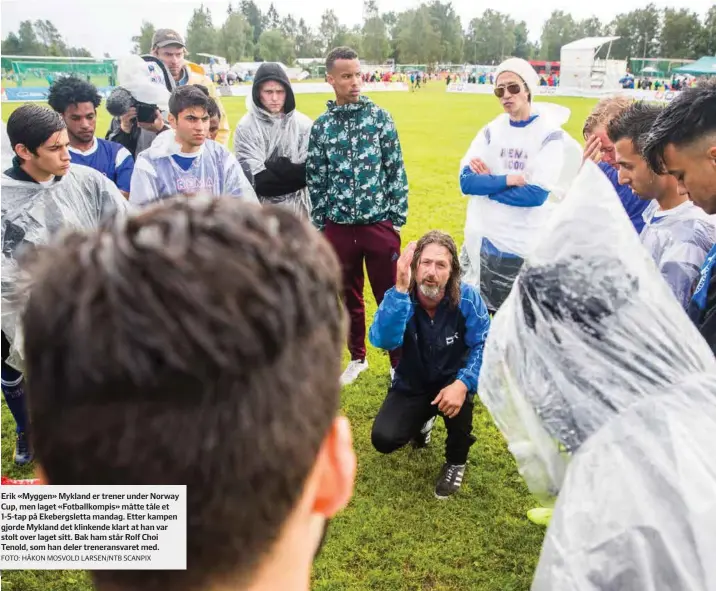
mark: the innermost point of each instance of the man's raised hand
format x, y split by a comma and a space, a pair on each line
593, 149
402, 281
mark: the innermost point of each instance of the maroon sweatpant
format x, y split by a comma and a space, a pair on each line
379, 246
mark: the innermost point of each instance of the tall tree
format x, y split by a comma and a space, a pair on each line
352, 38
417, 41
201, 36
523, 47
590, 27
50, 37
273, 20
680, 33
235, 38
706, 44
329, 29
638, 31
447, 24
558, 30
11, 45
376, 43
28, 43
307, 44
274, 47
143, 41
253, 15
490, 38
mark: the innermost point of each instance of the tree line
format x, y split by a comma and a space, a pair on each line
429, 33
40, 38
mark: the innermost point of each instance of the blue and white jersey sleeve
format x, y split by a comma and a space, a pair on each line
235, 181
123, 169
477, 325
391, 320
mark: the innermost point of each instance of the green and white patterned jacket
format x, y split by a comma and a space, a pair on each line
354, 170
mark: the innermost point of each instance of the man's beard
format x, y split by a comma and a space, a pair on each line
431, 291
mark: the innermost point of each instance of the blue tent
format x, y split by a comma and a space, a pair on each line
706, 66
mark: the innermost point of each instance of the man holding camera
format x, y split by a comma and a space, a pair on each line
137, 134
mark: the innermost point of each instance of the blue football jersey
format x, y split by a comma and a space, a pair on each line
110, 158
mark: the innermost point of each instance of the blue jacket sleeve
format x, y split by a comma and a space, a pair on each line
472, 183
477, 322
527, 196
391, 320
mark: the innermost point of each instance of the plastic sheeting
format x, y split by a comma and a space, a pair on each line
6, 151
606, 394
156, 176
678, 240
261, 137
492, 254
32, 213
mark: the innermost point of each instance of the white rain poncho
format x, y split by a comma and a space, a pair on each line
678, 240
261, 137
498, 235
595, 376
215, 171
32, 213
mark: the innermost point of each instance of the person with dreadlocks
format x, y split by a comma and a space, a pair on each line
442, 325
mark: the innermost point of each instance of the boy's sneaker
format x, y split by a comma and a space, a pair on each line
392, 375
449, 481
353, 370
540, 515
423, 438
23, 452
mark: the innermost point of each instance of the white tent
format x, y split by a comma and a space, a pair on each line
580, 67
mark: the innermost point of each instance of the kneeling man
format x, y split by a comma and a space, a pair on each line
441, 324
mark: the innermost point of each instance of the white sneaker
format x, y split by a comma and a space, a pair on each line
353, 370
392, 375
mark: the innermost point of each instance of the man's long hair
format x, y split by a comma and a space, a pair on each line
452, 289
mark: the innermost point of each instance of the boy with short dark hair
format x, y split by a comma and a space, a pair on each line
187, 161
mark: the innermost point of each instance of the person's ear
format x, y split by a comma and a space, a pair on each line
335, 470
712, 154
23, 152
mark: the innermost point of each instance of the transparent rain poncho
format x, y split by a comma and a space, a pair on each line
261, 137
510, 230
32, 213
6, 152
158, 176
606, 394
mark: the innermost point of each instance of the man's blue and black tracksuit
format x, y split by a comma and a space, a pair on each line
435, 352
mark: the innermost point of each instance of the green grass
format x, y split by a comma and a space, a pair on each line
395, 536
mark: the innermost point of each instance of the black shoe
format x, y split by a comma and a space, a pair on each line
449, 480
23, 453
422, 439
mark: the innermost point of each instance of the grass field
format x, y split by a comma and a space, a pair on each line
395, 536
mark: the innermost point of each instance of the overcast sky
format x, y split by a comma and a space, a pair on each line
108, 25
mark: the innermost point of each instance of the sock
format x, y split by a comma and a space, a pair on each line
15, 397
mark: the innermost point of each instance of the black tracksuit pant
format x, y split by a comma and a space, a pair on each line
403, 414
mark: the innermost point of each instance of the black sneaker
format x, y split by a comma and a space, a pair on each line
449, 480
23, 453
422, 439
